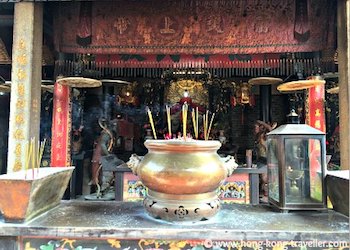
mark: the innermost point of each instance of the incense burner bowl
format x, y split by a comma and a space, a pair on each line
28, 193
182, 178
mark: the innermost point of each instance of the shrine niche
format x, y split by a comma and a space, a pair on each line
190, 91
215, 27
127, 95
243, 95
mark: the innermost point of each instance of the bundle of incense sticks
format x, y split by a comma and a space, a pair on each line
168, 115
152, 123
195, 117
184, 120
33, 155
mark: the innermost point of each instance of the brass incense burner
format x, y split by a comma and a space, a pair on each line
182, 178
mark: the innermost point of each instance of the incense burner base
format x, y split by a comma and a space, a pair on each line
177, 208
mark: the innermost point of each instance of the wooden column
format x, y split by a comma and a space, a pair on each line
26, 81
344, 72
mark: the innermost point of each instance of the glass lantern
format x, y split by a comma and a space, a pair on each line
296, 160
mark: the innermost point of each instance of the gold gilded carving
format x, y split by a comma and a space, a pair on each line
318, 124
21, 74
144, 31
21, 89
20, 104
262, 23
59, 134
114, 243
59, 109
121, 24
19, 119
22, 59
17, 166
18, 150
68, 242
193, 28
19, 134
59, 121
317, 113
215, 23
197, 92
167, 26
58, 145
22, 44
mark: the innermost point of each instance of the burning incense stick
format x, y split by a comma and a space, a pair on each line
204, 127
197, 122
206, 122
169, 120
184, 120
32, 145
41, 151
194, 124
36, 151
26, 158
211, 123
152, 124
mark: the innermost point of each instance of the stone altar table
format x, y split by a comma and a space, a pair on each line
125, 225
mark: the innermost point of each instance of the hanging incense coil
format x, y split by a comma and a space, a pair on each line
300, 85
334, 90
265, 81
79, 82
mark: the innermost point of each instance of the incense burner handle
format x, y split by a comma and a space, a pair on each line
229, 163
134, 163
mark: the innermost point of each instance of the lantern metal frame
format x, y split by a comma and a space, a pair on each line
280, 135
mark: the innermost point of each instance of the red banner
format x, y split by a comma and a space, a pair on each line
315, 117
193, 27
315, 111
61, 126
